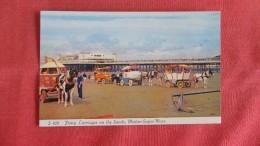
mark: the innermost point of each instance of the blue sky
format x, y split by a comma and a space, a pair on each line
132, 35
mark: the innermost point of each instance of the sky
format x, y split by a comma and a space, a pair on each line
131, 35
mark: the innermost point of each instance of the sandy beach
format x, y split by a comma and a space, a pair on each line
134, 102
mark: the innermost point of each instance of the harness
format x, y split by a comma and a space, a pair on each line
152, 74
63, 79
202, 77
70, 83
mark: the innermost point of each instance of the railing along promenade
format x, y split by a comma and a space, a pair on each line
161, 61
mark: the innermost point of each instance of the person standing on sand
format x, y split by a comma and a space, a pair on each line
79, 81
89, 77
117, 78
84, 76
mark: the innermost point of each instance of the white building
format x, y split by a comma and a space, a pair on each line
88, 57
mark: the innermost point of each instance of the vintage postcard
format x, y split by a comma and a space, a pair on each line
129, 68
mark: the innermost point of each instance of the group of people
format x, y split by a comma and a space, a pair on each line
81, 77
80, 80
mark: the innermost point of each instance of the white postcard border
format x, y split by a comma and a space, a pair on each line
129, 121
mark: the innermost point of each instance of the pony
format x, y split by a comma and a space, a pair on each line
144, 77
203, 77
65, 86
160, 77
150, 76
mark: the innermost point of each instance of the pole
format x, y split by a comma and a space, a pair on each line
180, 103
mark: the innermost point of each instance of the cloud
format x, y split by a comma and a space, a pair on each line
132, 35
197, 20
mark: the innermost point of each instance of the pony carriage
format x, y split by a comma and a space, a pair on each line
131, 75
177, 75
48, 74
102, 76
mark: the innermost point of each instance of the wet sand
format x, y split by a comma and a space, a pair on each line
134, 102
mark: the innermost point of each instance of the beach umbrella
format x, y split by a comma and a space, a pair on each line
126, 68
134, 67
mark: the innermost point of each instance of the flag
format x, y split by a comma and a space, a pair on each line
49, 59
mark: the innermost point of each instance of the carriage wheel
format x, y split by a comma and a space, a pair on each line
168, 84
180, 84
187, 84
103, 81
43, 96
122, 82
130, 82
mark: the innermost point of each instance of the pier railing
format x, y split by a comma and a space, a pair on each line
200, 60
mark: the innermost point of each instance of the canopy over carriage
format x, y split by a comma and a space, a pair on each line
130, 75
130, 68
177, 75
107, 68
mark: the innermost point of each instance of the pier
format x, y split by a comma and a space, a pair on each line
198, 65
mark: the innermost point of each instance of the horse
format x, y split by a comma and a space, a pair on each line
150, 76
65, 86
203, 77
144, 77
60, 81
160, 77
